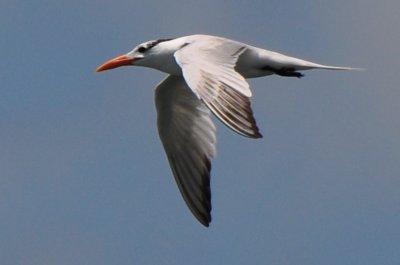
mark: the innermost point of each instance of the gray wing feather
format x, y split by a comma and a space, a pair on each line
189, 136
209, 70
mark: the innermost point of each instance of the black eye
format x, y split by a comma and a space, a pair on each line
141, 49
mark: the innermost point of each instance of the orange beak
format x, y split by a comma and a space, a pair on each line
116, 62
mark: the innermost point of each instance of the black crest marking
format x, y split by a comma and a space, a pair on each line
153, 43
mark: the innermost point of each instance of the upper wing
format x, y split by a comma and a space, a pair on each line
208, 66
189, 136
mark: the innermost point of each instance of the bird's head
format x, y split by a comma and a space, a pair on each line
138, 56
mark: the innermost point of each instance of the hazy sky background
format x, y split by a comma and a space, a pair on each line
83, 176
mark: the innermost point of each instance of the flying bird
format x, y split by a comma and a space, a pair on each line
206, 74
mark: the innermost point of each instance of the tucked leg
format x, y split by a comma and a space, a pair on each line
284, 71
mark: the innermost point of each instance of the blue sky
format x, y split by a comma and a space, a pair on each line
84, 179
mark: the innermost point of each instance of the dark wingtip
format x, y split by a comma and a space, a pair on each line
204, 219
206, 224
256, 132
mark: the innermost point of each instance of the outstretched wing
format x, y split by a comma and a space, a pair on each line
208, 66
189, 136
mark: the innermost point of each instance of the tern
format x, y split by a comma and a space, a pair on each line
206, 74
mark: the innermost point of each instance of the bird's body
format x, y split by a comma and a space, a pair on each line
205, 73
252, 62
